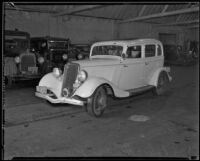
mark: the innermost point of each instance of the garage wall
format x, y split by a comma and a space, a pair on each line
86, 29
89, 30
192, 34
146, 30
79, 30
134, 30
36, 24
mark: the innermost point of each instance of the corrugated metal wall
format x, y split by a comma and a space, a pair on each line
88, 30
79, 30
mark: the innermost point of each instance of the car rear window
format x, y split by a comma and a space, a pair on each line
159, 51
150, 50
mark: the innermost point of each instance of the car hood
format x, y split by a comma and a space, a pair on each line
105, 68
96, 62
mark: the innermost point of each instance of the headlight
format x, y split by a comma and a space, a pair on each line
64, 56
80, 56
82, 76
17, 59
65, 92
41, 60
57, 72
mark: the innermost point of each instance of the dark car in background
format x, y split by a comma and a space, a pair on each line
187, 54
19, 62
52, 52
79, 51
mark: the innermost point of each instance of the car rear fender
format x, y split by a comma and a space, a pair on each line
92, 83
154, 78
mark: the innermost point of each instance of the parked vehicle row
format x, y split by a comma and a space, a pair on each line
82, 75
30, 58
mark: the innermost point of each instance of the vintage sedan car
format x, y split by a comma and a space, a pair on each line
19, 62
117, 68
52, 52
79, 51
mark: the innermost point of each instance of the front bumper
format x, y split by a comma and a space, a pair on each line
60, 100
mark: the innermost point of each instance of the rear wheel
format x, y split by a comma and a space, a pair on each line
8, 81
161, 87
97, 103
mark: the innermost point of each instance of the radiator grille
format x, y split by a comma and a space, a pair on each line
57, 56
27, 60
70, 74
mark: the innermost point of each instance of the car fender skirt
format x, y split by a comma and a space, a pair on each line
154, 78
92, 83
52, 83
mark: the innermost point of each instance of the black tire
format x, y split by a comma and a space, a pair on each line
97, 103
8, 81
162, 84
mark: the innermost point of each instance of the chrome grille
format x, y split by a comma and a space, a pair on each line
70, 74
27, 60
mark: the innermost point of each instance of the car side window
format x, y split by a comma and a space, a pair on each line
159, 51
150, 50
134, 52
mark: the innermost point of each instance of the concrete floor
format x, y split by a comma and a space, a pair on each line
34, 128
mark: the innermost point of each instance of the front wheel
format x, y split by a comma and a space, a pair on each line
97, 103
161, 87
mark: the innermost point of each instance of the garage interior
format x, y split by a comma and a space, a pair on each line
35, 128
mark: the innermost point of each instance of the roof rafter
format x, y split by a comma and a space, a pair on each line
78, 9
179, 23
157, 15
142, 10
165, 8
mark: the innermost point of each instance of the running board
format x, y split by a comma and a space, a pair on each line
139, 90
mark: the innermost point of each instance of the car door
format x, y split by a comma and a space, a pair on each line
132, 69
152, 60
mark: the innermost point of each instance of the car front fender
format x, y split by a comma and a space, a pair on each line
154, 78
51, 82
92, 83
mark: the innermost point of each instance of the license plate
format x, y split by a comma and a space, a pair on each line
33, 70
42, 89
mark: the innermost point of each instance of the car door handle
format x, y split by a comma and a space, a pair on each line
146, 63
125, 65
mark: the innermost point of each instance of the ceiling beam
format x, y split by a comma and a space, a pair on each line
179, 23
158, 15
142, 10
194, 26
96, 17
165, 8
29, 10
78, 9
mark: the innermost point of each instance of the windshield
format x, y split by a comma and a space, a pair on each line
107, 50
38, 44
58, 44
15, 44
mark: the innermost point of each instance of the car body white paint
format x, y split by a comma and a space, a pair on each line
121, 74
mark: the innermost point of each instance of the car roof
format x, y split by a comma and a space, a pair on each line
49, 38
127, 42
